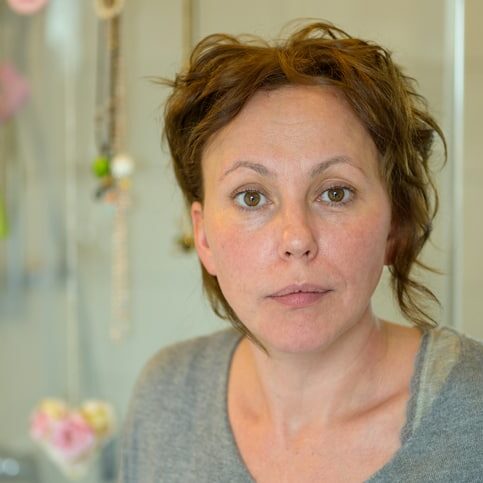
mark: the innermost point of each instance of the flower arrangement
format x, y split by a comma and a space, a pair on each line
72, 437
14, 91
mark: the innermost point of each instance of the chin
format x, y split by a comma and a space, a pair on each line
298, 337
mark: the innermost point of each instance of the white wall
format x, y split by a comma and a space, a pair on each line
473, 173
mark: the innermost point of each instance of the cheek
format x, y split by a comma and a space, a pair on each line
359, 251
239, 254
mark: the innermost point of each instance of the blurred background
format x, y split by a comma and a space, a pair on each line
59, 335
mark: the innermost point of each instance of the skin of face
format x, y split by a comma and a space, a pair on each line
296, 221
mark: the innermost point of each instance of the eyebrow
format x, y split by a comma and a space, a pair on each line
321, 167
316, 170
257, 167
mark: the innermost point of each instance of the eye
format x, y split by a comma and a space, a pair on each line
250, 199
337, 195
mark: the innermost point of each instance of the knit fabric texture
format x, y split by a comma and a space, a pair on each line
177, 429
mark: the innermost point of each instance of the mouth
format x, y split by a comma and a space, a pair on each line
299, 295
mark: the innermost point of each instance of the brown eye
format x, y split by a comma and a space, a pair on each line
251, 198
337, 195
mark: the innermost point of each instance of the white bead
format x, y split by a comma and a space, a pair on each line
122, 166
107, 10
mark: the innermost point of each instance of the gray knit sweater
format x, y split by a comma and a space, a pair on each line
177, 429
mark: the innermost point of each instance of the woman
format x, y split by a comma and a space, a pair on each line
305, 166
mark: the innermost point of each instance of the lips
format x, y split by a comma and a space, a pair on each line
299, 295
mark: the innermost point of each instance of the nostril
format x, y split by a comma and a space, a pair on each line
291, 253
297, 242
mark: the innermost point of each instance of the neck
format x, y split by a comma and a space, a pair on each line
323, 387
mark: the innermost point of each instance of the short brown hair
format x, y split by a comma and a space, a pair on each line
224, 72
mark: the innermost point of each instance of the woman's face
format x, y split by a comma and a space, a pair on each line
296, 221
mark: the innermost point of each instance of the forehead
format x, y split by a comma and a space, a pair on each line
302, 123
291, 104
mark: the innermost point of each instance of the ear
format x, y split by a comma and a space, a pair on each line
199, 234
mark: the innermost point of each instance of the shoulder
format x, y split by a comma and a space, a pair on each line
208, 349
178, 401
471, 353
462, 353
442, 436
466, 377
187, 363
452, 375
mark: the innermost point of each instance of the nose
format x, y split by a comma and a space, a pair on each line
298, 240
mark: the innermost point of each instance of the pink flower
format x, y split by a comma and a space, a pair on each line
26, 6
14, 91
72, 438
40, 426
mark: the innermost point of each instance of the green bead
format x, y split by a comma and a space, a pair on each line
100, 166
